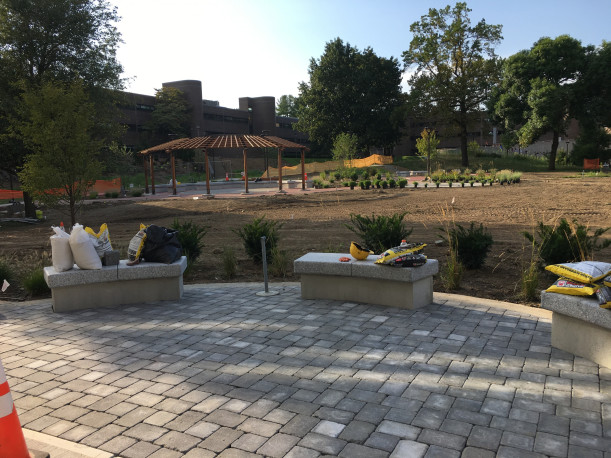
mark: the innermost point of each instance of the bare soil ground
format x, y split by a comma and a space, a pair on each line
316, 222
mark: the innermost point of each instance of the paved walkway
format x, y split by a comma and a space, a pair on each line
227, 373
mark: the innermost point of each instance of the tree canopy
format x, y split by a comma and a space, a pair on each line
538, 88
171, 117
454, 66
287, 106
58, 130
55, 40
350, 91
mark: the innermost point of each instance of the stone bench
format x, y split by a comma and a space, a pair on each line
323, 276
580, 326
121, 284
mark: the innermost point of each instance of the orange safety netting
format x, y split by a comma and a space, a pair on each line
317, 167
100, 186
103, 186
6, 194
591, 164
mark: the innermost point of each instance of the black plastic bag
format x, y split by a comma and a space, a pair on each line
161, 245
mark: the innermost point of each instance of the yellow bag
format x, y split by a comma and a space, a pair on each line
134, 250
604, 297
584, 271
607, 281
572, 288
101, 240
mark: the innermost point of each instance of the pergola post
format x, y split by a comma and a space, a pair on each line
207, 171
173, 172
280, 170
303, 183
245, 171
146, 175
152, 174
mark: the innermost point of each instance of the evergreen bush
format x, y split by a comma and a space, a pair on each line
251, 234
379, 233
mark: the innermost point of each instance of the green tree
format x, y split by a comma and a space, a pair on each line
171, 117
287, 106
345, 147
455, 66
537, 90
508, 140
350, 91
62, 166
60, 40
427, 146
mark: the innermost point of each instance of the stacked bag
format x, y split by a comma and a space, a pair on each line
585, 278
83, 247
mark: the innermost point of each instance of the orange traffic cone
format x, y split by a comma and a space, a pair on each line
12, 442
226, 176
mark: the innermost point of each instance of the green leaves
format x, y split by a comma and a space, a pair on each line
379, 233
350, 91
251, 237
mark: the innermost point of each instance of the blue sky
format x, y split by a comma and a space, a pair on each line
252, 48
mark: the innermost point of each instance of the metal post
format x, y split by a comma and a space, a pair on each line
264, 257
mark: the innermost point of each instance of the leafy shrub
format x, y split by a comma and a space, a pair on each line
136, 193
402, 183
323, 176
566, 242
93, 195
379, 233
251, 237
108, 194
472, 245
337, 176
352, 184
354, 176
415, 184
35, 284
392, 183
230, 263
114, 194
190, 236
345, 184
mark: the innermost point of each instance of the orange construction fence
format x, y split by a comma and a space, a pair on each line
317, 167
591, 164
100, 186
6, 194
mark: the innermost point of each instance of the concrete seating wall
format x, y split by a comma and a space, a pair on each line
580, 326
323, 276
78, 289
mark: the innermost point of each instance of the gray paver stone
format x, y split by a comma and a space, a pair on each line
436, 451
220, 439
400, 430
175, 440
360, 451
324, 444
473, 452
357, 431
429, 436
551, 444
278, 445
406, 448
483, 437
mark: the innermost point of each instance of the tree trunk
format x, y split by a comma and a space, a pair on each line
552, 155
28, 203
463, 135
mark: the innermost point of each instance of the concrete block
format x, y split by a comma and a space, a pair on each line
580, 326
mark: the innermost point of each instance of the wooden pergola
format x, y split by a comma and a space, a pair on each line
210, 142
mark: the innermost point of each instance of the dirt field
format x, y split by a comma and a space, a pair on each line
316, 222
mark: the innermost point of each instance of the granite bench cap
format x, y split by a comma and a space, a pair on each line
582, 308
120, 272
329, 264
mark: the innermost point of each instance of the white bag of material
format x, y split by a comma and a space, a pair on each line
61, 253
83, 250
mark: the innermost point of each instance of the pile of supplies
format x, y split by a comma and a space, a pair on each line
90, 250
585, 278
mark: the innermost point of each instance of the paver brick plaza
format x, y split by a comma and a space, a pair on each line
225, 372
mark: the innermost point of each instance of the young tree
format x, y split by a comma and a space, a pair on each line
59, 40
537, 90
345, 147
171, 116
427, 146
350, 91
455, 65
287, 106
62, 166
